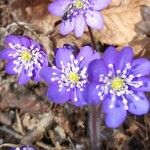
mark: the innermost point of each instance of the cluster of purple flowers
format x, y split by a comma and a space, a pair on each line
84, 78
115, 80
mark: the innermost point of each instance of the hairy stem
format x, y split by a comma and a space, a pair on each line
94, 127
94, 114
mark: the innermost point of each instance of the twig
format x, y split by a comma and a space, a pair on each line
72, 145
9, 145
92, 38
5, 119
11, 132
32, 136
140, 125
18, 136
44, 146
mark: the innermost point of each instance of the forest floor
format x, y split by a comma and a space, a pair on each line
26, 115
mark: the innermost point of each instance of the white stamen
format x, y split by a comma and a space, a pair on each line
30, 74
60, 90
97, 86
110, 65
118, 71
61, 62
52, 79
71, 57
99, 94
128, 81
125, 102
76, 62
138, 75
54, 73
64, 80
68, 89
111, 106
81, 58
21, 63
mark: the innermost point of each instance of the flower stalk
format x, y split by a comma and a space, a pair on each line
94, 127
94, 114
92, 38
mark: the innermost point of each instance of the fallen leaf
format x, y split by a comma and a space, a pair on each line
144, 24
141, 47
120, 22
35, 13
120, 18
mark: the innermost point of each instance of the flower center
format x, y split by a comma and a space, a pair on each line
117, 84
25, 55
73, 77
27, 59
79, 4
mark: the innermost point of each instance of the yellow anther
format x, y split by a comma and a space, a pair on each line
73, 77
25, 55
79, 4
117, 84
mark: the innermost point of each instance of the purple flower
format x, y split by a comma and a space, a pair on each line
119, 82
24, 148
76, 14
17, 148
68, 79
25, 57
27, 148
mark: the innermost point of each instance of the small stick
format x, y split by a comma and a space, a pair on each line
37, 131
11, 132
44, 146
5, 119
9, 145
92, 38
32, 136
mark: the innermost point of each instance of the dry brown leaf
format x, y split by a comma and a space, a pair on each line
141, 44
120, 19
142, 47
29, 122
60, 40
120, 22
144, 24
34, 12
120, 137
